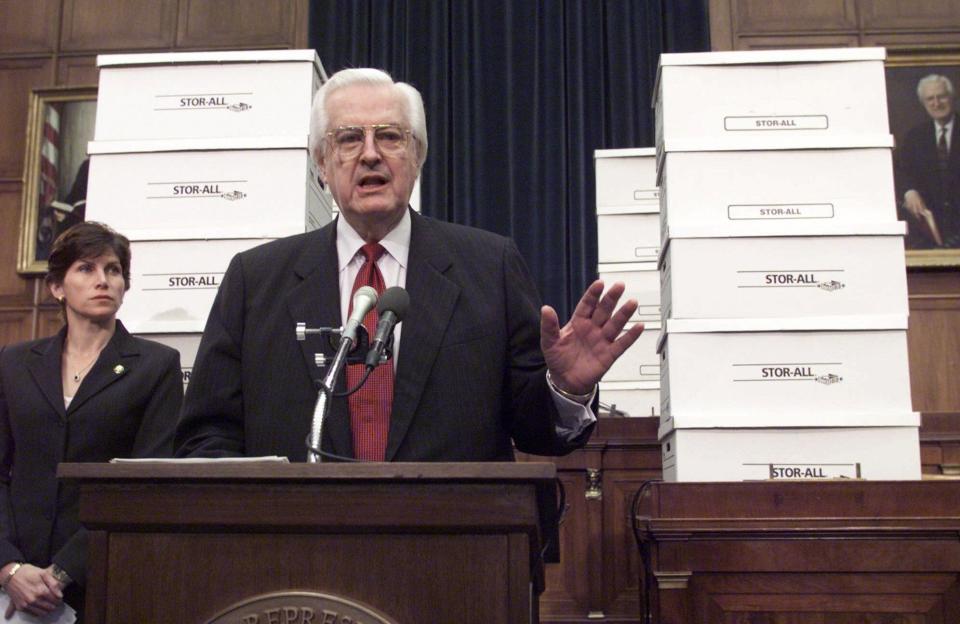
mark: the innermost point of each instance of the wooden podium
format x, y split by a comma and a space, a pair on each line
254, 543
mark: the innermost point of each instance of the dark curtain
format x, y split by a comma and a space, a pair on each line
519, 93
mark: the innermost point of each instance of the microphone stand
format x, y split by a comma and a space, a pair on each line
323, 396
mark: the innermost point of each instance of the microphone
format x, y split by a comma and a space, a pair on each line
363, 301
392, 308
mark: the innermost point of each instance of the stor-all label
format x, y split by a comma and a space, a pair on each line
182, 281
235, 101
821, 280
825, 373
227, 190
777, 212
766, 123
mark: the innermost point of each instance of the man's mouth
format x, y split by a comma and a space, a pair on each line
372, 180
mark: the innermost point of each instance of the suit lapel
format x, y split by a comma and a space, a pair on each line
45, 366
432, 299
316, 302
116, 360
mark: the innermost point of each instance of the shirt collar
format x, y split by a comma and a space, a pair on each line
396, 242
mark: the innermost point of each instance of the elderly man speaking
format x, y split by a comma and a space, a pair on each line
478, 365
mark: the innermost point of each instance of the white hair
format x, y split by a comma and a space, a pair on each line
929, 80
416, 116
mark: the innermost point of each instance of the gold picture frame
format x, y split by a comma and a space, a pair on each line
904, 68
60, 122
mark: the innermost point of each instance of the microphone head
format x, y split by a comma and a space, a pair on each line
364, 292
396, 300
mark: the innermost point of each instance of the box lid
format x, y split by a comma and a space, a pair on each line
745, 420
223, 56
760, 57
768, 142
753, 57
196, 145
850, 322
620, 153
625, 267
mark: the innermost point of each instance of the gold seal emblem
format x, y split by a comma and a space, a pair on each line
299, 608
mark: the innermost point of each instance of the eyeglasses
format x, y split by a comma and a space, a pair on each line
348, 141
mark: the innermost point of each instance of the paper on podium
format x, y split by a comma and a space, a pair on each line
64, 614
199, 460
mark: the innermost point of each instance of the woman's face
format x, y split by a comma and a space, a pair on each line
92, 288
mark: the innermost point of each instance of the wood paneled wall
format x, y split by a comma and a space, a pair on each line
45, 43
917, 27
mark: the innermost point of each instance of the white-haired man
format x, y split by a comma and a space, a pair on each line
928, 169
478, 364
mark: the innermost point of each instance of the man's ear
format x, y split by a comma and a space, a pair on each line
321, 167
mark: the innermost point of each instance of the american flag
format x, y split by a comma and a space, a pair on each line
49, 155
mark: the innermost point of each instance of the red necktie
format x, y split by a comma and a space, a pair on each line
370, 405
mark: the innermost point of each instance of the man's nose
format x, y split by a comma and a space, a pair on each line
370, 152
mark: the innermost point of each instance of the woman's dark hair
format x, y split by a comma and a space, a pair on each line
87, 240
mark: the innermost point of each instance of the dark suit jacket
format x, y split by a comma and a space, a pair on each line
917, 169
125, 407
470, 372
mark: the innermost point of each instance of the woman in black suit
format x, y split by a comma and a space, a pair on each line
91, 393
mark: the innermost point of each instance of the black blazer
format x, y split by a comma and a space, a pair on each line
125, 407
917, 169
470, 374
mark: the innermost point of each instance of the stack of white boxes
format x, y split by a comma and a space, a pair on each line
783, 285
196, 157
628, 232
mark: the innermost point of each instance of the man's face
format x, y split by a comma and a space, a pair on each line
937, 100
372, 189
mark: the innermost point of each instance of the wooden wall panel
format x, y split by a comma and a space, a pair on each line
78, 71
17, 78
934, 345
235, 24
48, 322
920, 14
16, 325
15, 291
568, 582
95, 25
780, 42
29, 27
765, 16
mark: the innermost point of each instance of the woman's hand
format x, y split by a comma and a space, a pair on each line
31, 589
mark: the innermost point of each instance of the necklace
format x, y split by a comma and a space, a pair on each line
77, 376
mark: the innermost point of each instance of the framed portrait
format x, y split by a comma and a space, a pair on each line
60, 122
926, 156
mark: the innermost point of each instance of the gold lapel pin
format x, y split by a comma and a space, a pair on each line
118, 369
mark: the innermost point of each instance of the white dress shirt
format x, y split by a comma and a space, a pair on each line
574, 417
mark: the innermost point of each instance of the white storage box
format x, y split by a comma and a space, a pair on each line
173, 283
641, 281
628, 237
792, 188
631, 398
874, 453
738, 97
800, 276
640, 362
186, 344
770, 373
627, 179
212, 188
206, 94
